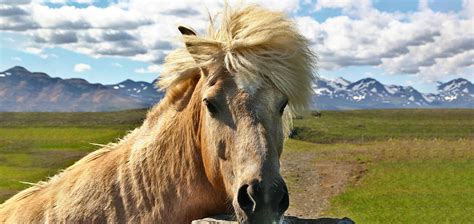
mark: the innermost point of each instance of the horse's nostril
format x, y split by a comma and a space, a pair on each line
254, 200
285, 202
244, 199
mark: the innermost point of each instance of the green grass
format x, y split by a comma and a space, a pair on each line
407, 180
121, 119
48, 138
34, 146
368, 125
411, 192
420, 162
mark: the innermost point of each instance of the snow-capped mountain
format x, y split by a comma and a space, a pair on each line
456, 92
22, 90
369, 93
144, 91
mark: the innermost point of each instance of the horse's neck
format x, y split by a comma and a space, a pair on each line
172, 142
167, 152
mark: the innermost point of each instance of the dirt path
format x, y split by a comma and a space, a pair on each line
313, 183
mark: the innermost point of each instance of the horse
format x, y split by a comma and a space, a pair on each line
211, 146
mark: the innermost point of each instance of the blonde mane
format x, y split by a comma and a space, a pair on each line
256, 46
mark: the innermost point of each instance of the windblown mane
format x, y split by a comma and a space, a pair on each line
258, 47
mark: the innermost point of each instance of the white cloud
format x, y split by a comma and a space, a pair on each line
468, 8
88, 2
350, 7
141, 30
116, 64
288, 6
52, 56
332, 4
423, 5
84, 1
369, 74
81, 67
17, 59
149, 69
409, 83
430, 44
33, 49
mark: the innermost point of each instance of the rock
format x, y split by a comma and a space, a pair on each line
221, 219
226, 219
296, 220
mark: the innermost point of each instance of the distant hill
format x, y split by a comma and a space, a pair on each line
22, 90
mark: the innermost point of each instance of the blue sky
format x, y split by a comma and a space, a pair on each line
403, 42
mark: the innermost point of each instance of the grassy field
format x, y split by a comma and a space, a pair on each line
406, 180
369, 125
420, 163
34, 146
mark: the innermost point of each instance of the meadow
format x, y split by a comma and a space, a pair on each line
34, 146
408, 166
374, 166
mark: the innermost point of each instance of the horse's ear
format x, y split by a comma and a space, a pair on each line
187, 30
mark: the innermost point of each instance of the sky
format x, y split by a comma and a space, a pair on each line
403, 42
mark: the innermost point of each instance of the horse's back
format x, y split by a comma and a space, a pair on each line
76, 195
26, 207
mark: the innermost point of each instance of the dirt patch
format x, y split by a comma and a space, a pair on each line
313, 183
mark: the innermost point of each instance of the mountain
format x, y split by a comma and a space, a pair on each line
22, 90
455, 93
369, 93
145, 92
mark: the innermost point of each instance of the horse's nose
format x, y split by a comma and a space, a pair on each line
255, 196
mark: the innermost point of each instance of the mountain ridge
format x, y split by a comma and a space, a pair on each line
22, 90
25, 91
368, 93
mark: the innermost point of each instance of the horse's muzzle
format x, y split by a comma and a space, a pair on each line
260, 202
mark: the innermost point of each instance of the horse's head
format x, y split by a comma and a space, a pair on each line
255, 71
242, 140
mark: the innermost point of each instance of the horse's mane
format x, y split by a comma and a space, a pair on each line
257, 46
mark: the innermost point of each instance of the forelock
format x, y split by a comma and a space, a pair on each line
255, 45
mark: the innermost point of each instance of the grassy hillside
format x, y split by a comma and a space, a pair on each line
418, 163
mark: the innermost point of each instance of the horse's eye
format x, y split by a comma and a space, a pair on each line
210, 106
282, 109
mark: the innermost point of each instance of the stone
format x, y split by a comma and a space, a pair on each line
226, 219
